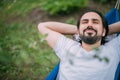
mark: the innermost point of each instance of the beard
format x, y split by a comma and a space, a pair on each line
89, 39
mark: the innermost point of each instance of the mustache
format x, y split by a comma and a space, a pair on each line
89, 28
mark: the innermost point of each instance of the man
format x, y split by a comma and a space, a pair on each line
91, 59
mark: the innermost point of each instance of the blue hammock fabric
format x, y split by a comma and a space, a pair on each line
53, 73
112, 16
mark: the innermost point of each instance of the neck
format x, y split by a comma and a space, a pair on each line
89, 47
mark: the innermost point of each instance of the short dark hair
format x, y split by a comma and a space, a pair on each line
104, 22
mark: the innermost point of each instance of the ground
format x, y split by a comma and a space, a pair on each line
37, 15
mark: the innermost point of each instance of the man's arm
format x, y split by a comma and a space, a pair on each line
54, 30
114, 28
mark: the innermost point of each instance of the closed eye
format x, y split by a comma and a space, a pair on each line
95, 22
84, 21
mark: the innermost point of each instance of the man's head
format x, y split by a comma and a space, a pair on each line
92, 27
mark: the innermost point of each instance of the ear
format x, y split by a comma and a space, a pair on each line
104, 32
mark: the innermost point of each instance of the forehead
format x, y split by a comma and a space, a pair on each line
91, 15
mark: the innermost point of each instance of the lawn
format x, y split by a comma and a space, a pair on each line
23, 56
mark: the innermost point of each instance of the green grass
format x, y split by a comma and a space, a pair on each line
19, 7
22, 55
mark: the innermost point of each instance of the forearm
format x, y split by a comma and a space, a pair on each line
114, 28
60, 27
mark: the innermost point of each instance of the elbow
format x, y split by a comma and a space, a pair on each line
40, 27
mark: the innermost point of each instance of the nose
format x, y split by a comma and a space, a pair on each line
90, 23
89, 27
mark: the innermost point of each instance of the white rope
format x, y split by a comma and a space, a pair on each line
117, 4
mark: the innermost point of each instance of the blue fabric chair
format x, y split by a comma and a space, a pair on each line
112, 16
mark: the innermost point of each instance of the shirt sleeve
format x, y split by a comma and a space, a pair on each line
115, 43
62, 45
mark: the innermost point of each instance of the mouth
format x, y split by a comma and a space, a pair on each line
90, 32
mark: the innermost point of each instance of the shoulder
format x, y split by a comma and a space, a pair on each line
65, 43
115, 41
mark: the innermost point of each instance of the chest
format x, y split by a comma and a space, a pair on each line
96, 60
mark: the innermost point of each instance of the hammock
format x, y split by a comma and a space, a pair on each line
112, 16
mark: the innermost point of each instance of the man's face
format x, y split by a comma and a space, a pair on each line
91, 29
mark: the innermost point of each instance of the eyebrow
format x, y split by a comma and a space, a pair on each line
94, 19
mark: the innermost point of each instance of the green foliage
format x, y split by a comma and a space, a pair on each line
97, 55
18, 7
22, 54
61, 6
71, 21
